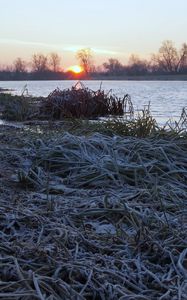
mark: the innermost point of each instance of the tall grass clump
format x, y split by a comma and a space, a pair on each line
15, 108
81, 102
18, 108
141, 125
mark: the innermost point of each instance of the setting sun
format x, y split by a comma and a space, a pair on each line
75, 69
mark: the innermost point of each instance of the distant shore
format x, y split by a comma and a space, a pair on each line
143, 78
174, 77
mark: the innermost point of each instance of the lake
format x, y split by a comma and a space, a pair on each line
167, 98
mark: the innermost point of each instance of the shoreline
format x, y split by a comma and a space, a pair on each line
113, 78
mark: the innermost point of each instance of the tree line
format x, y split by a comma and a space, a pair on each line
168, 60
40, 67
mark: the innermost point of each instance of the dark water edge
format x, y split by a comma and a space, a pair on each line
143, 78
174, 77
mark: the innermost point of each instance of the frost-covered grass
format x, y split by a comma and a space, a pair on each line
17, 108
87, 213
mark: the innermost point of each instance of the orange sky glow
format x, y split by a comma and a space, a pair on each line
110, 28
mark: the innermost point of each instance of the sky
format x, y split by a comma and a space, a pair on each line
111, 28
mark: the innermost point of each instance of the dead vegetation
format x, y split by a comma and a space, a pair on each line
18, 108
81, 102
77, 102
93, 209
93, 217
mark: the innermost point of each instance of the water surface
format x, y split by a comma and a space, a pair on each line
167, 98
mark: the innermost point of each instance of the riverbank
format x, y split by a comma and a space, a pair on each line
87, 214
150, 77
101, 77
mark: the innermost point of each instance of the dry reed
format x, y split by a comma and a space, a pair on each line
81, 102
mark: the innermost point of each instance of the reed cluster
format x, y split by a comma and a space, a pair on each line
81, 102
77, 102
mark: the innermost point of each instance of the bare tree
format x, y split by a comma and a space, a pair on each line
137, 66
113, 66
85, 58
169, 59
54, 61
39, 63
182, 63
19, 65
134, 60
168, 56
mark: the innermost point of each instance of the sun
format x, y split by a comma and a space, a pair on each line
75, 69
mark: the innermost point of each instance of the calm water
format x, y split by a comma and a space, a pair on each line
167, 97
